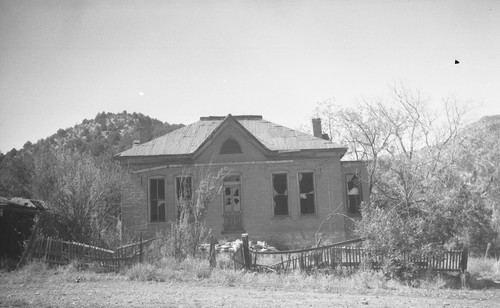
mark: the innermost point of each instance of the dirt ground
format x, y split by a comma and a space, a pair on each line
118, 292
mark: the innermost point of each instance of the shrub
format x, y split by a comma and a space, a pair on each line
34, 270
145, 272
485, 268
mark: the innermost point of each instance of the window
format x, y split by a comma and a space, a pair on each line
354, 195
157, 199
230, 146
306, 192
280, 194
232, 203
184, 193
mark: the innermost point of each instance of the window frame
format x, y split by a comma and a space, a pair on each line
158, 205
359, 186
286, 193
314, 210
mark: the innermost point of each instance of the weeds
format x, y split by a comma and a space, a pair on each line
190, 270
169, 269
486, 268
34, 270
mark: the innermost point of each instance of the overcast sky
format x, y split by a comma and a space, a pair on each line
64, 61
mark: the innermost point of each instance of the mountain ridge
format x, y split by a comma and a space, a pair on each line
105, 135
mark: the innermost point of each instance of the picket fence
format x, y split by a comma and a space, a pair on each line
343, 255
56, 251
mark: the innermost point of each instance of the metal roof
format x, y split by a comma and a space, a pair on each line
188, 139
21, 203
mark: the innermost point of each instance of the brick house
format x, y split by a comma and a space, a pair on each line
283, 182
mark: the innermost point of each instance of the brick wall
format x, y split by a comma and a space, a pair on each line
256, 201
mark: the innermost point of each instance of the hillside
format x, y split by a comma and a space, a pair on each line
486, 126
106, 134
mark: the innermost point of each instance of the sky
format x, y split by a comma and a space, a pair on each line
64, 61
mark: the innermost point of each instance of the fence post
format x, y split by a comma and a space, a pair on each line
140, 249
247, 259
211, 255
463, 266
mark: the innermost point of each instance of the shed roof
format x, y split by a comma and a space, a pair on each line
188, 139
22, 204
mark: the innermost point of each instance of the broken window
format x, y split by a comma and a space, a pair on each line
232, 186
306, 192
230, 146
354, 195
280, 194
157, 199
184, 192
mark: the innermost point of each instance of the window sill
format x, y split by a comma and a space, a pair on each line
311, 215
281, 217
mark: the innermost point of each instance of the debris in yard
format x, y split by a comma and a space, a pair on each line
235, 245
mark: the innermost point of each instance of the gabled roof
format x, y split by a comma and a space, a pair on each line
189, 139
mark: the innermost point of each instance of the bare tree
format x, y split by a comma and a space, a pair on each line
83, 195
419, 200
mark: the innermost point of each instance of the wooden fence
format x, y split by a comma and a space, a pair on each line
343, 255
61, 252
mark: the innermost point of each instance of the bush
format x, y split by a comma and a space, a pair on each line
484, 268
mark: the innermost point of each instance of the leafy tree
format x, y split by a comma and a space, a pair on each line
15, 174
61, 133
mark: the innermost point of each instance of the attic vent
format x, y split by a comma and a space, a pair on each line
230, 146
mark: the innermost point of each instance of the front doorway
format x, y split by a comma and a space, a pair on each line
232, 204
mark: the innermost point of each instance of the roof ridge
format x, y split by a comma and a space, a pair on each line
237, 117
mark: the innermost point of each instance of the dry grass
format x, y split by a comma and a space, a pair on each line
199, 271
224, 275
37, 271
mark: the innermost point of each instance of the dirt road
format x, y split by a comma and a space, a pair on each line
122, 293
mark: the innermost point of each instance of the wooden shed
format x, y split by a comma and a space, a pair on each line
17, 217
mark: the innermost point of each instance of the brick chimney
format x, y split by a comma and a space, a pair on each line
317, 132
144, 135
